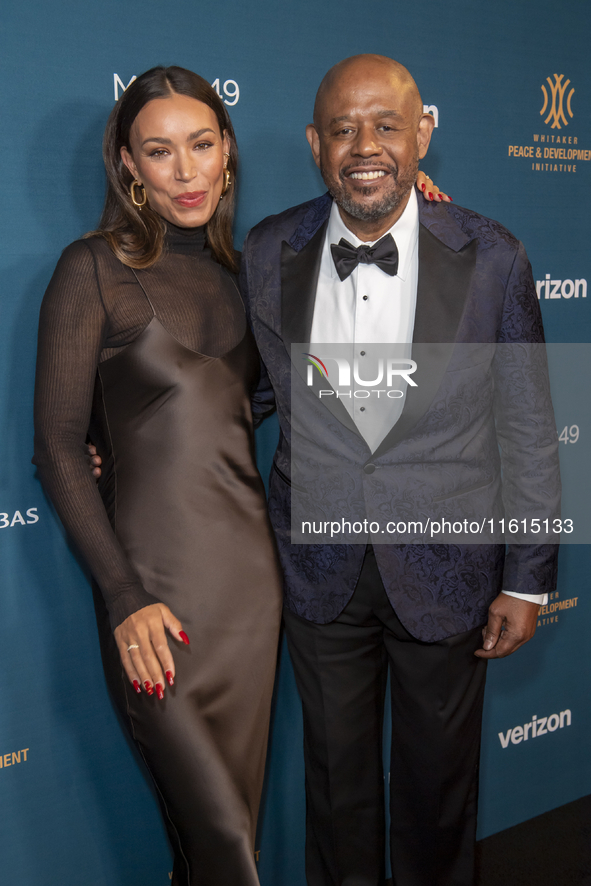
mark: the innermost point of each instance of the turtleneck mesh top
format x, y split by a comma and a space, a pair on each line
93, 308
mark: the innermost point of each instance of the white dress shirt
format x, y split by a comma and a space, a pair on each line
372, 308
369, 308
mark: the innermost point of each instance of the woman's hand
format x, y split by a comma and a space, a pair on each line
431, 192
94, 461
144, 650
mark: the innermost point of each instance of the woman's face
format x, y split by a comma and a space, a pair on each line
177, 153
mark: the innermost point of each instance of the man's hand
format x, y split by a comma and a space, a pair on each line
511, 623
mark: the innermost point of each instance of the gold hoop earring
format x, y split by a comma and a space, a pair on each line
227, 179
139, 203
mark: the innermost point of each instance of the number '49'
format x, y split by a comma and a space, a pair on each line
569, 435
231, 92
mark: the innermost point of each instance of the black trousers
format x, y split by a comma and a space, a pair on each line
437, 693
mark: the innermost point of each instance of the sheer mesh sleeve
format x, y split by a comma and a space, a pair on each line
73, 329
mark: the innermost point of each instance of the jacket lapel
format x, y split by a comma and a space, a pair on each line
299, 279
445, 275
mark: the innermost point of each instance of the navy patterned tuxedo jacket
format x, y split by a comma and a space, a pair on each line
460, 425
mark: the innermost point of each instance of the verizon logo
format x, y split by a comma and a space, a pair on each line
538, 726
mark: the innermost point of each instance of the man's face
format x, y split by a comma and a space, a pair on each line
367, 142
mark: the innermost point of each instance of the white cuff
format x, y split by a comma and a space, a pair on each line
540, 599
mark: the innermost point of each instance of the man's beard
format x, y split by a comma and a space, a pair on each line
372, 211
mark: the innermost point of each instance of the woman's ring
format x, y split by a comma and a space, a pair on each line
133, 646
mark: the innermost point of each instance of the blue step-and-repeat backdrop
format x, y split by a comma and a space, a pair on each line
509, 85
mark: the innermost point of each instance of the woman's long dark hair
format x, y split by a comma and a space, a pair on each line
137, 237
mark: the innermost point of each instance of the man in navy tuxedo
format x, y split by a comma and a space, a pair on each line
354, 611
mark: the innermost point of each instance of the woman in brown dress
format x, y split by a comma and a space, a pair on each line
144, 344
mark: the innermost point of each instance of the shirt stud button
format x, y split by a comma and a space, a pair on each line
362, 353
365, 297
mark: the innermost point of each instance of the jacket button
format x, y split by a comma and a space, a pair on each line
369, 468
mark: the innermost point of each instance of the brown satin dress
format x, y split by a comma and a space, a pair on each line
187, 506
189, 511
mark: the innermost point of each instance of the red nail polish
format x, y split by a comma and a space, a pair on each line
137, 686
449, 198
423, 186
170, 678
430, 195
159, 691
184, 638
148, 687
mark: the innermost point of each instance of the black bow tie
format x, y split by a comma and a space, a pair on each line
384, 254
